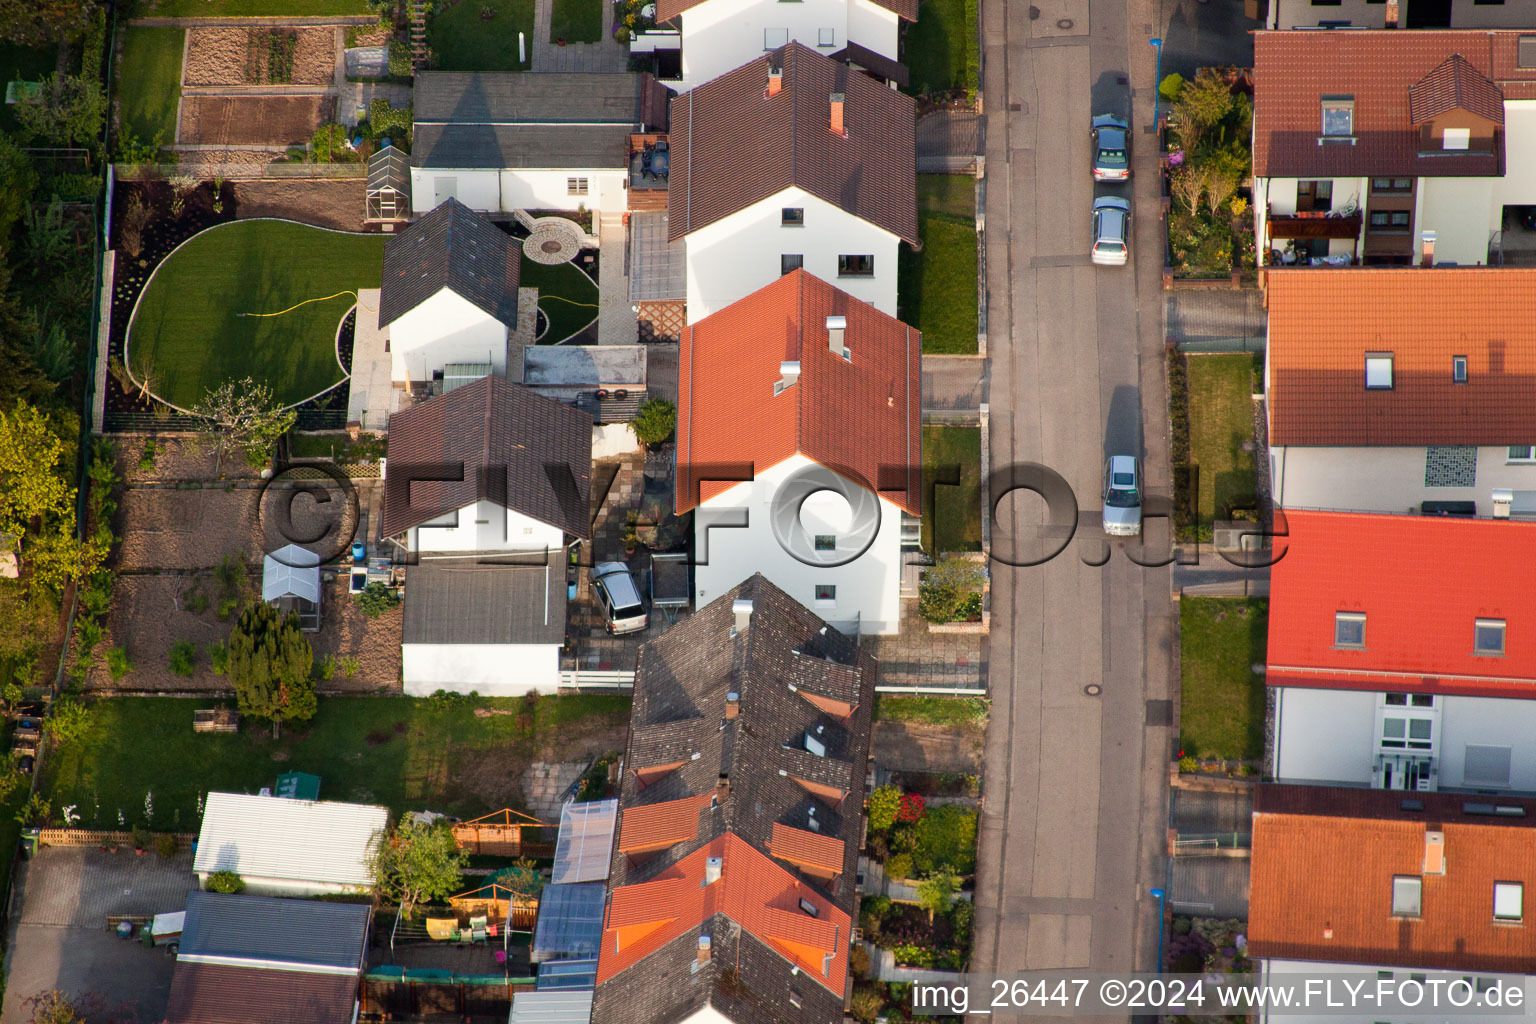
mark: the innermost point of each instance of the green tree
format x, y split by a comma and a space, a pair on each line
68, 720
35, 22
225, 882
67, 111
376, 599
1201, 106
937, 891
883, 804
33, 458
54, 1007
270, 661
244, 416
654, 421
418, 863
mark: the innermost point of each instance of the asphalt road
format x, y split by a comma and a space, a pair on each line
1075, 808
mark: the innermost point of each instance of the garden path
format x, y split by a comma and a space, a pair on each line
616, 323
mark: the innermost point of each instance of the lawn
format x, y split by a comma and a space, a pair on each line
188, 335
464, 41
402, 752
1220, 423
149, 82
251, 8
941, 48
576, 21
937, 286
25, 64
952, 712
1221, 698
953, 512
567, 296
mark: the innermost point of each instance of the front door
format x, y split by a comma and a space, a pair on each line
444, 188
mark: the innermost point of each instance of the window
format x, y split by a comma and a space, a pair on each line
826, 37
1390, 219
1407, 734
1458, 369
1487, 3
1488, 637
1525, 52
1378, 371
1508, 901
1391, 184
1407, 895
773, 38
826, 593
1485, 767
1456, 138
855, 266
1423, 700
1522, 453
1349, 629
1395, 700
826, 542
1338, 117
792, 216
1314, 194
790, 261
575, 186
1326, 3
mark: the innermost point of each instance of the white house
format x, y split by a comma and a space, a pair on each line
505, 142
800, 446
1400, 653
715, 36
792, 161
1393, 147
484, 486
1402, 389
449, 294
285, 847
1408, 14
1388, 891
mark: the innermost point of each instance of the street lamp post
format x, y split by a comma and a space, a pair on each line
1157, 81
1159, 894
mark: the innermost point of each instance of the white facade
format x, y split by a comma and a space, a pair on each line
444, 329
736, 255
867, 590
484, 526
492, 190
1394, 479
1287, 14
1349, 736
1284, 971
721, 35
492, 670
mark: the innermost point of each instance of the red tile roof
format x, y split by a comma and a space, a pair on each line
1321, 890
734, 145
1455, 85
1292, 71
810, 849
754, 892
222, 994
1421, 583
657, 826
1322, 324
859, 416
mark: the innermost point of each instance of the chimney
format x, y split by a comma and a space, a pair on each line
1427, 249
743, 612
837, 115
723, 787
775, 80
1434, 853
1391, 13
712, 868
836, 325
704, 949
732, 705
789, 375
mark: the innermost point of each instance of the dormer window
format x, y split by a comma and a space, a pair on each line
1338, 117
1456, 138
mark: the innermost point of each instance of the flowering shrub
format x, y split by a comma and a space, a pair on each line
912, 809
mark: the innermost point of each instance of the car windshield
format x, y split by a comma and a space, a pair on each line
629, 611
1121, 498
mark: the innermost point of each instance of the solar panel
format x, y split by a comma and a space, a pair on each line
585, 842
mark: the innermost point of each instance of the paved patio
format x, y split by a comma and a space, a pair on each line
605, 56
917, 657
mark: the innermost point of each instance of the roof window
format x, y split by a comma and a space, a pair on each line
1508, 901
1488, 637
1349, 629
1378, 371
1338, 117
1407, 895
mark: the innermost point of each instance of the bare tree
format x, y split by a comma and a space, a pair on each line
1189, 184
130, 230
245, 416
1220, 185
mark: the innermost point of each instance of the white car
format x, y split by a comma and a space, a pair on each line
1122, 496
619, 598
1111, 231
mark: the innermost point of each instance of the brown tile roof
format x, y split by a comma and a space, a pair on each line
452, 247
526, 452
219, 994
860, 416
666, 10
1321, 890
1292, 71
1455, 85
1321, 324
733, 144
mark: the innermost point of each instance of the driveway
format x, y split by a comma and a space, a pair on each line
58, 934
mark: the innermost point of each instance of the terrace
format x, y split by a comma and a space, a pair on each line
649, 163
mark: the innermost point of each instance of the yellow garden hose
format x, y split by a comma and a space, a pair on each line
306, 302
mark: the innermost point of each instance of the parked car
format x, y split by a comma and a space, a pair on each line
1111, 148
1111, 231
619, 597
1122, 496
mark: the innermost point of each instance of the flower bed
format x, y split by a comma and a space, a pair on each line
1208, 167
1207, 945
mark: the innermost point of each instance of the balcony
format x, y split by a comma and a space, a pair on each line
650, 161
1313, 224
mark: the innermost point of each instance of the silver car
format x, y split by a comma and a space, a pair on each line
1122, 496
1111, 231
619, 598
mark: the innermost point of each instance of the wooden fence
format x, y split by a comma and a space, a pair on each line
88, 837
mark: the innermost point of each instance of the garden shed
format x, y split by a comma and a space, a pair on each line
290, 579
499, 903
499, 833
297, 786
287, 847
389, 187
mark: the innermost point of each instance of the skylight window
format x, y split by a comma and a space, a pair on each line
1378, 371
1488, 637
1407, 895
1508, 901
1338, 117
1349, 629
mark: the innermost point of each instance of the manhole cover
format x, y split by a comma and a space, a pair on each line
1093, 689
1160, 712
1064, 23
1034, 13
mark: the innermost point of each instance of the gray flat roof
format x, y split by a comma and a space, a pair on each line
658, 269
304, 933
555, 147
477, 601
584, 365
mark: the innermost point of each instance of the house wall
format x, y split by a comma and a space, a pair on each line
1460, 211
527, 189
1280, 196
874, 28
1278, 969
868, 588
487, 526
1390, 479
256, 885
721, 36
493, 670
735, 256
445, 329
1330, 736
477, 188
1518, 186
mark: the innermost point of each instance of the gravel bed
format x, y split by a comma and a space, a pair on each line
179, 529
222, 56
253, 120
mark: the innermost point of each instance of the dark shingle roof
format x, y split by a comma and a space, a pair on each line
734, 145
1455, 85
469, 603
525, 452
520, 120
303, 933
456, 248
879, 63
219, 994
